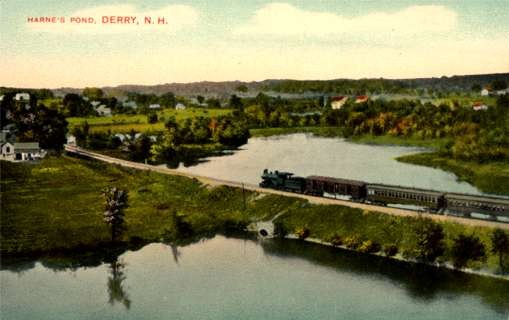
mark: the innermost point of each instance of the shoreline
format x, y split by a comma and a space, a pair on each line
399, 257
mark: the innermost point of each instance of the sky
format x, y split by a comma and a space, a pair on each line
249, 41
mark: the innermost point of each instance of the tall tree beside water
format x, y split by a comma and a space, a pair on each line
430, 240
500, 246
116, 202
467, 248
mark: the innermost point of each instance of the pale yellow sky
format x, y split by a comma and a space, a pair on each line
267, 41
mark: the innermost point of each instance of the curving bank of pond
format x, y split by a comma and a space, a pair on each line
306, 154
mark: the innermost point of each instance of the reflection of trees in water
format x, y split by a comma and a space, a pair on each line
421, 282
116, 289
175, 252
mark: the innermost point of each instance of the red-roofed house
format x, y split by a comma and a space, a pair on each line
338, 101
361, 99
479, 106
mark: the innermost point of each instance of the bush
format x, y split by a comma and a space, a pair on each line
467, 248
280, 230
352, 242
390, 250
114, 142
429, 240
152, 118
369, 247
302, 233
336, 240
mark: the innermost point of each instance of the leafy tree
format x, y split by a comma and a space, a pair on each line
200, 99
152, 118
75, 106
81, 133
467, 248
500, 246
50, 128
141, 148
213, 103
499, 85
116, 202
236, 102
166, 148
168, 100
430, 240
93, 93
242, 88
476, 87
6, 109
114, 142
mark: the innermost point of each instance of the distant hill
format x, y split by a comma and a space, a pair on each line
288, 87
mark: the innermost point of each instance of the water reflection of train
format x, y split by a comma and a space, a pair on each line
427, 200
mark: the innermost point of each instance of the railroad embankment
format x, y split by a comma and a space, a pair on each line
56, 206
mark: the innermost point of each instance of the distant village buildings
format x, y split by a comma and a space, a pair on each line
104, 111
18, 151
21, 151
23, 96
154, 106
477, 106
338, 101
361, 99
71, 140
129, 104
488, 92
180, 106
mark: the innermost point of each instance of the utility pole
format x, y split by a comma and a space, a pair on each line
244, 196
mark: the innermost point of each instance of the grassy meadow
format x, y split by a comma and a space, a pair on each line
123, 123
490, 177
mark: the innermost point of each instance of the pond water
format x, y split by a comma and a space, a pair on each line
305, 154
232, 278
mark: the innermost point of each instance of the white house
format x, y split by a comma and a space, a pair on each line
95, 103
23, 96
102, 110
22, 151
71, 140
338, 101
485, 92
502, 92
154, 106
180, 106
130, 104
7, 149
120, 136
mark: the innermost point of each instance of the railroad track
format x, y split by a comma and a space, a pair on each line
313, 199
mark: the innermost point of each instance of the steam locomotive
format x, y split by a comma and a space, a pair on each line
381, 194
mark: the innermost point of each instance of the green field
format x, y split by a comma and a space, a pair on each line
57, 205
122, 123
319, 131
401, 141
491, 177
